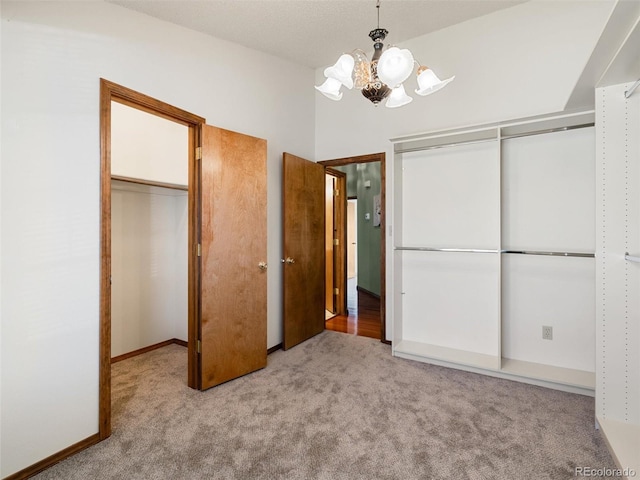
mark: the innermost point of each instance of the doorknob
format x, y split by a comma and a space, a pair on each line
290, 260
262, 265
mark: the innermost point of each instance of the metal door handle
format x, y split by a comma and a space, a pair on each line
290, 260
262, 265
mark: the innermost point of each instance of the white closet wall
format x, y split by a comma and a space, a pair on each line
148, 147
149, 266
451, 199
149, 230
549, 206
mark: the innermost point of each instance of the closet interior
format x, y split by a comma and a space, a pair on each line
149, 231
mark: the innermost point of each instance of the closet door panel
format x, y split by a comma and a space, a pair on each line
549, 291
452, 300
549, 191
451, 197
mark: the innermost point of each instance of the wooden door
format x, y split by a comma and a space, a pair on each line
329, 217
233, 238
303, 249
338, 239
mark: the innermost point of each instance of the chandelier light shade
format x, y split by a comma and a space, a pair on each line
428, 82
331, 89
381, 78
398, 97
395, 66
342, 70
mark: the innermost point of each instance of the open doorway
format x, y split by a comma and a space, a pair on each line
130, 181
364, 280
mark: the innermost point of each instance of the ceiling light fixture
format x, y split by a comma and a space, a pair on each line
382, 77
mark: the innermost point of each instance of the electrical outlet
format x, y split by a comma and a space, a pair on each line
547, 333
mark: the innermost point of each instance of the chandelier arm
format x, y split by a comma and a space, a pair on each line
358, 50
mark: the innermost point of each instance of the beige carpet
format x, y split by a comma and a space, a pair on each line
336, 407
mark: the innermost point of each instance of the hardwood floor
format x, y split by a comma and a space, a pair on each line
364, 314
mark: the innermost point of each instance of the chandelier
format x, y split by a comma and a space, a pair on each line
382, 77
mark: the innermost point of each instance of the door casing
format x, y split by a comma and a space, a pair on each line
374, 157
109, 92
340, 234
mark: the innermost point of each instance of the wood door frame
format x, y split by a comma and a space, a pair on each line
374, 157
340, 253
109, 92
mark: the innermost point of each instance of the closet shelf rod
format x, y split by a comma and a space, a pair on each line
455, 250
551, 254
631, 258
516, 252
445, 145
629, 92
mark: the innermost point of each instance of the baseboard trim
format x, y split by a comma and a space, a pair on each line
140, 351
367, 292
275, 348
55, 458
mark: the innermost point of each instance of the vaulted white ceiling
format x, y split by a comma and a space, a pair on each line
313, 32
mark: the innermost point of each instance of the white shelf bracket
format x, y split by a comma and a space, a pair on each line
629, 92
631, 258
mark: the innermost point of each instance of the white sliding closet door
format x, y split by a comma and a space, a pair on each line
549, 206
451, 200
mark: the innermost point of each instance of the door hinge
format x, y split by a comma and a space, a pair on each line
336, 241
198, 153
336, 192
336, 291
198, 347
199, 250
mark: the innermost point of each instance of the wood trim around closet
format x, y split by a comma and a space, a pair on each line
150, 348
109, 92
150, 183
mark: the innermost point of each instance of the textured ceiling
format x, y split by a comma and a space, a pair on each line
313, 32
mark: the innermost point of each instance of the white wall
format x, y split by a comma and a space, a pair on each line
53, 54
148, 267
514, 63
1, 354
